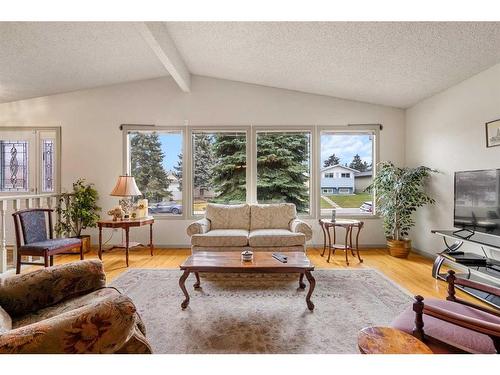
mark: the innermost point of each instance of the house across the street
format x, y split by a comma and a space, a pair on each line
339, 179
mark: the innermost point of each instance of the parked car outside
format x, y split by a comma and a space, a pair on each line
166, 208
366, 206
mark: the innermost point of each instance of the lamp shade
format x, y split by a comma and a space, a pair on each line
126, 187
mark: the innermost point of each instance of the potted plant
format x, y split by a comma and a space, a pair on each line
398, 194
78, 210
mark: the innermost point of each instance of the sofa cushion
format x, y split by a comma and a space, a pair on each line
64, 306
5, 321
272, 216
275, 237
221, 237
224, 216
452, 334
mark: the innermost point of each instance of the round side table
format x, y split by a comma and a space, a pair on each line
347, 246
387, 340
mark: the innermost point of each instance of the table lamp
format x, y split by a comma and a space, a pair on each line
127, 188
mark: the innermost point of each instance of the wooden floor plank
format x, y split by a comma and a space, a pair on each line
412, 274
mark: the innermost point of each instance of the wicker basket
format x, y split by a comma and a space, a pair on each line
399, 249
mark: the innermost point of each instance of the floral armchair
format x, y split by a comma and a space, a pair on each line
68, 309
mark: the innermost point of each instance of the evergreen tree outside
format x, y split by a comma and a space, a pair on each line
230, 166
203, 154
282, 169
146, 158
332, 160
177, 172
358, 164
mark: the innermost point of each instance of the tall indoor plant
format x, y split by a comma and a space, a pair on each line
78, 210
398, 194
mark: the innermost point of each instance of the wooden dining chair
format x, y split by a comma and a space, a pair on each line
34, 237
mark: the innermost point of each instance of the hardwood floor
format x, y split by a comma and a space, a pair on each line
413, 274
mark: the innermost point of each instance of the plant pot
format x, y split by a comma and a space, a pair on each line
399, 248
86, 244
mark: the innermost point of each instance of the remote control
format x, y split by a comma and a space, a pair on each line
455, 253
282, 258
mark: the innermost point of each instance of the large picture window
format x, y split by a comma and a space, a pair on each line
156, 164
283, 168
346, 171
317, 169
219, 168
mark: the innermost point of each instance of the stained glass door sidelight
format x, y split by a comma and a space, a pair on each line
27, 161
14, 166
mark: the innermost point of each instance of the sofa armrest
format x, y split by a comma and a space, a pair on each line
198, 227
102, 327
30, 292
299, 226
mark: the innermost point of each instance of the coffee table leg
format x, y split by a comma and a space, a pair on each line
312, 284
182, 284
302, 285
197, 283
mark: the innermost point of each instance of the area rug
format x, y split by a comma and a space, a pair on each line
254, 313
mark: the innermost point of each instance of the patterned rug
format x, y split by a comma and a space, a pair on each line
257, 313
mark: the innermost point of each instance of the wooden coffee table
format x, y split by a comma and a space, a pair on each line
263, 262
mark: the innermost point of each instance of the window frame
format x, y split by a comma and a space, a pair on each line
215, 129
127, 129
39, 130
374, 129
251, 131
311, 129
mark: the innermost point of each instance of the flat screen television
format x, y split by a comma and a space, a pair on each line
477, 201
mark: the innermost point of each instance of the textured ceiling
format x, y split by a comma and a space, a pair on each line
396, 64
46, 58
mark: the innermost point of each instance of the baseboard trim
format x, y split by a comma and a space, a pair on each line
423, 253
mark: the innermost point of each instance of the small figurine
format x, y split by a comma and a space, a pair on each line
117, 213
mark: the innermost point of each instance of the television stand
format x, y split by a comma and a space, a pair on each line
479, 268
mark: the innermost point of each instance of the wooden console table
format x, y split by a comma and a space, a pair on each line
126, 225
348, 225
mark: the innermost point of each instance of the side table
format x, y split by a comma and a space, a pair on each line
348, 225
126, 225
387, 340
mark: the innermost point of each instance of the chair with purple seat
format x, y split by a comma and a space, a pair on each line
454, 325
34, 237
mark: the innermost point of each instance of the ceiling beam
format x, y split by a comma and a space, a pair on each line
157, 37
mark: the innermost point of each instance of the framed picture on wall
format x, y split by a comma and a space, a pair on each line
493, 133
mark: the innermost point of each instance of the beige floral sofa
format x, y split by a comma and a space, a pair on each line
261, 227
68, 309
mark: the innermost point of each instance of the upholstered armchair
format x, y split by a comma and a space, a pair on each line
68, 309
453, 325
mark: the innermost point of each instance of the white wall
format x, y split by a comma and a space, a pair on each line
447, 132
92, 143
